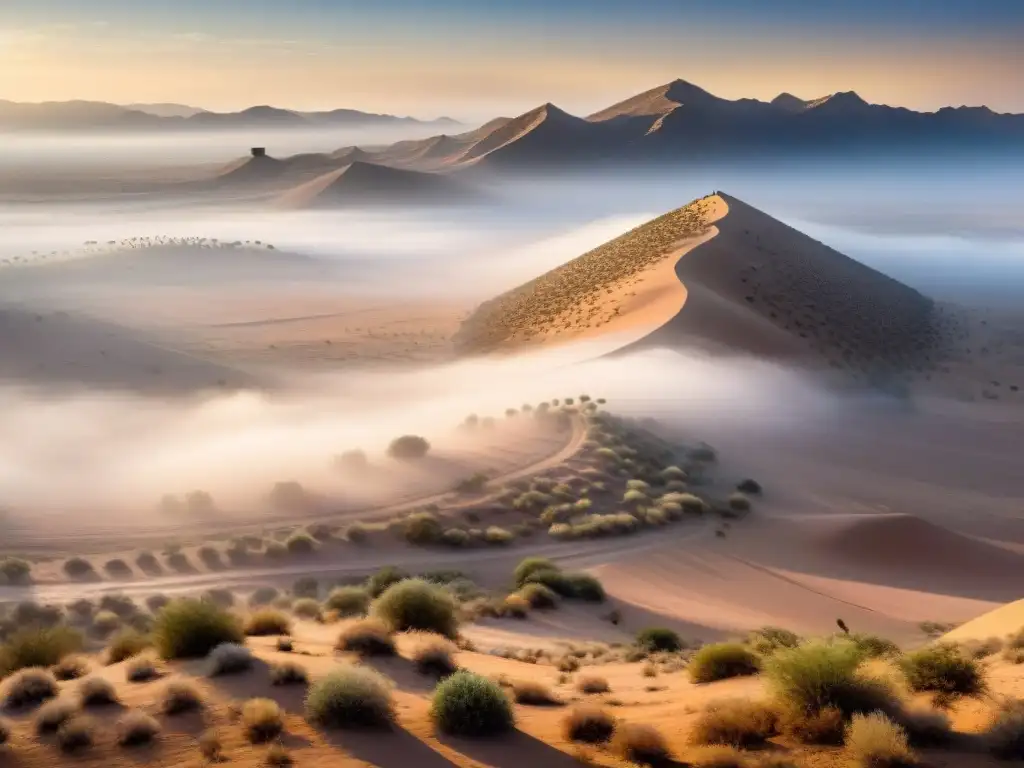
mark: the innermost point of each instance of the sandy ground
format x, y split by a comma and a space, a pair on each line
667, 701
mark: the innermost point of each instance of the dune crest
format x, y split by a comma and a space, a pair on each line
720, 275
368, 184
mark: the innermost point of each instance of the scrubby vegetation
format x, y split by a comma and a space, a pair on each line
348, 601
369, 637
27, 687
735, 722
875, 741
534, 693
466, 704
719, 661
126, 644
76, 734
288, 673
97, 692
141, 669
408, 448
641, 744
659, 639
590, 725
350, 697
262, 720
943, 670
435, 656
193, 628
229, 659
136, 728
416, 604
179, 697
267, 621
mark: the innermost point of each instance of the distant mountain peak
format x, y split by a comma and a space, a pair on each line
789, 102
682, 91
840, 100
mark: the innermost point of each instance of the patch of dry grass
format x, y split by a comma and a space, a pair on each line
736, 723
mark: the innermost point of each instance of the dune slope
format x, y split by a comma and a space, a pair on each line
368, 184
741, 282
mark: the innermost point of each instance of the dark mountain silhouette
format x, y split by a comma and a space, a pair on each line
369, 184
680, 122
95, 115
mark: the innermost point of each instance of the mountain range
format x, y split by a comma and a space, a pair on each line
681, 122
98, 115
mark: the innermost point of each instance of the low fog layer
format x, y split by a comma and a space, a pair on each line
100, 450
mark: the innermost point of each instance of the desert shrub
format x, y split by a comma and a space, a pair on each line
925, 727
136, 728
739, 503
306, 586
534, 693
76, 734
97, 692
353, 460
592, 684
267, 621
749, 486
408, 448
556, 581
30, 612
141, 669
466, 704
179, 697
105, 622
719, 661
1005, 735
498, 536
288, 673
262, 720
53, 714
210, 557
348, 601
193, 628
369, 637
538, 596
875, 741
641, 744
148, 563
943, 670
357, 533
229, 659
435, 656
350, 697
586, 587
81, 610
210, 747
126, 644
588, 724
306, 608
475, 483
735, 722
873, 646
15, 570
767, 640
819, 686
422, 528
529, 566
455, 537
635, 498
384, 578
285, 645
263, 596
659, 639
79, 568
178, 561
300, 544
28, 687
156, 602
71, 668
417, 604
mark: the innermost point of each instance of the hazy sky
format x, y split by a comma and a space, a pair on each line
477, 58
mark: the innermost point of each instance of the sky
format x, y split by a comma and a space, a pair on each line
474, 59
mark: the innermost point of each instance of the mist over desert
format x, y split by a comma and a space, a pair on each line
684, 430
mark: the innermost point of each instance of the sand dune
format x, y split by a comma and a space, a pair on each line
67, 350
1002, 621
369, 184
736, 281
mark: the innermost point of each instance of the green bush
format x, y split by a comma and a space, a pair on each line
307, 586
558, 582
529, 566
383, 579
498, 536
193, 628
79, 568
819, 686
466, 704
37, 647
262, 719
422, 528
126, 644
586, 587
288, 673
719, 661
229, 659
875, 741
739, 503
263, 596
267, 621
15, 570
417, 604
299, 544
943, 670
767, 640
306, 608
538, 596
659, 639
348, 601
873, 646
350, 697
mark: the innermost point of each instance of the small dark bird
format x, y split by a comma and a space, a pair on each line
843, 627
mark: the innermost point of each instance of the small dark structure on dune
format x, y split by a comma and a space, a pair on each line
259, 151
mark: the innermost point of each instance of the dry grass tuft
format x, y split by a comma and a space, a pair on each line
97, 692
27, 688
736, 723
262, 719
179, 697
534, 693
641, 743
369, 637
875, 741
589, 724
593, 684
435, 655
136, 728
